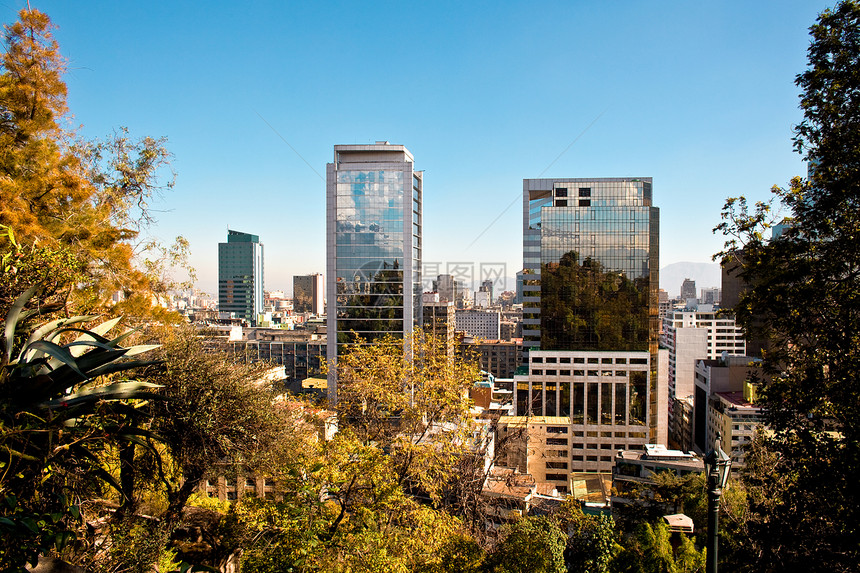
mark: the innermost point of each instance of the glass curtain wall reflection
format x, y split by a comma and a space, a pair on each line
374, 224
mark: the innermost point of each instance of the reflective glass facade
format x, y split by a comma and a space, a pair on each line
590, 254
374, 243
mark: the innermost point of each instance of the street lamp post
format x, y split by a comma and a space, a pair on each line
717, 465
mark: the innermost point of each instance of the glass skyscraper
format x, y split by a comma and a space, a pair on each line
373, 235
590, 313
240, 276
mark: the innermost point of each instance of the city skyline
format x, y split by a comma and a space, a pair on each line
484, 97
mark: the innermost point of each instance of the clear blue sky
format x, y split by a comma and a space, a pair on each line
698, 95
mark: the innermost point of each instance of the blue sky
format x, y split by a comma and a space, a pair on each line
698, 95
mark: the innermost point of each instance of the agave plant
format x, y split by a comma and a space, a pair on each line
63, 402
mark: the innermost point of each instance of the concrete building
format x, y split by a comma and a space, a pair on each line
479, 323
438, 318
590, 314
309, 294
498, 357
240, 277
723, 334
374, 221
710, 295
736, 419
714, 377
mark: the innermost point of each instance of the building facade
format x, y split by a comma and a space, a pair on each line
309, 294
688, 289
590, 313
438, 319
479, 323
240, 276
373, 245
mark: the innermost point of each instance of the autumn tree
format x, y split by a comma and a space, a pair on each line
91, 198
803, 297
412, 400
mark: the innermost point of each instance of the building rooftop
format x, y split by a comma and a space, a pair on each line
736, 399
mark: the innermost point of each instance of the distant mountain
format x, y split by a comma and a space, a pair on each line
705, 275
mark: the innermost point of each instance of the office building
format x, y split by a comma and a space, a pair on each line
487, 287
240, 276
373, 245
309, 294
690, 335
438, 319
590, 314
479, 323
710, 295
688, 289
498, 357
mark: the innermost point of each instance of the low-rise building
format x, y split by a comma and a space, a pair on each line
736, 420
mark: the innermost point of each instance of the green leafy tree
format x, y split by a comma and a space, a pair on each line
802, 293
650, 550
530, 545
591, 543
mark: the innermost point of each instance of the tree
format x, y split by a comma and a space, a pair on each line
803, 297
649, 550
417, 410
531, 544
591, 543
91, 198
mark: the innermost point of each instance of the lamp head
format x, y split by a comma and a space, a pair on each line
718, 460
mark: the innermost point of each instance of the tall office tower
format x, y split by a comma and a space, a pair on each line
309, 294
373, 245
240, 276
590, 316
688, 289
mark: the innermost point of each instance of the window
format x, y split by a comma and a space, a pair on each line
556, 465
556, 477
585, 202
556, 441
561, 192
556, 429
585, 191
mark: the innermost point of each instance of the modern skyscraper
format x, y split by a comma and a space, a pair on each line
373, 235
240, 276
590, 314
309, 294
